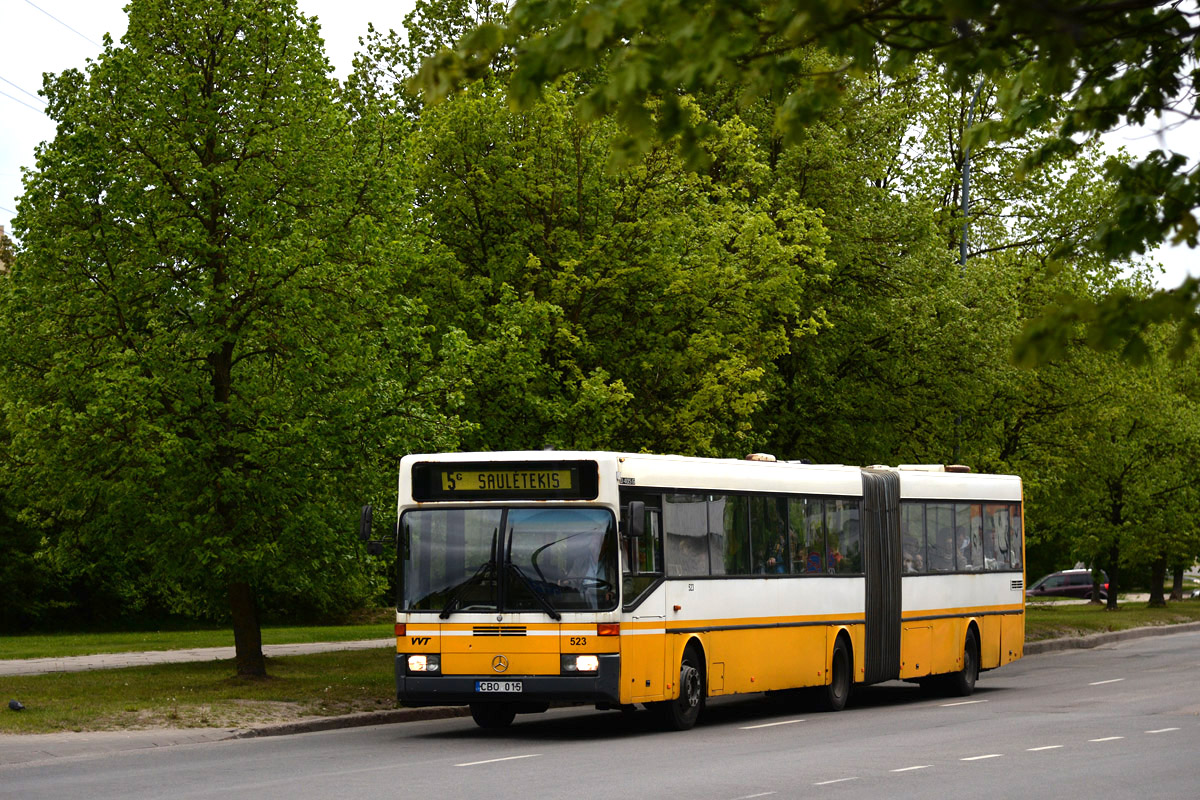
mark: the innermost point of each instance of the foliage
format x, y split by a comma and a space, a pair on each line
207, 361
7, 252
637, 308
1082, 66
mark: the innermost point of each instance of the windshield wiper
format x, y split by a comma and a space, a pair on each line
480, 574
542, 601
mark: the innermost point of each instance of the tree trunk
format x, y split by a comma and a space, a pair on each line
1114, 575
1177, 583
247, 634
1158, 576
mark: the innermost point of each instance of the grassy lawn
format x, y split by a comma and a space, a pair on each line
201, 694
59, 645
1053, 620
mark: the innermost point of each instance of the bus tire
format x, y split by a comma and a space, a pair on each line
833, 696
962, 683
681, 713
493, 716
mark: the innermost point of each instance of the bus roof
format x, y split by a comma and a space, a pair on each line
929, 482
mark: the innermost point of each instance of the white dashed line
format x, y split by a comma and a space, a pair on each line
963, 703
770, 724
1163, 730
1107, 739
1040, 749
495, 760
836, 780
1101, 683
980, 758
752, 796
910, 769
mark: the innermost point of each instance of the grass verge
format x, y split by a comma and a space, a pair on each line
60, 645
1056, 620
200, 694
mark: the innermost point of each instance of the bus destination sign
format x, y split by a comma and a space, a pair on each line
454, 480
505, 480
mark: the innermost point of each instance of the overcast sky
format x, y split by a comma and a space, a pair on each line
38, 36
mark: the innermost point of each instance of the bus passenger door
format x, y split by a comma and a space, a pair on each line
643, 632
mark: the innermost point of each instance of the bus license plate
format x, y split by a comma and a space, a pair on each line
497, 686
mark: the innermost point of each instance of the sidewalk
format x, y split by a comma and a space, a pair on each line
42, 666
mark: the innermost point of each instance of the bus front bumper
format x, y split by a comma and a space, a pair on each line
601, 687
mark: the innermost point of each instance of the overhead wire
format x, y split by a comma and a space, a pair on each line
60, 22
22, 102
22, 90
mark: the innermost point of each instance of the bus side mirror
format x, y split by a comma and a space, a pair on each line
636, 527
364, 524
364, 532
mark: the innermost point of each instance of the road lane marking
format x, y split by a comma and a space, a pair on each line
1101, 683
494, 760
910, 769
980, 758
751, 796
1039, 749
835, 780
1163, 730
770, 724
963, 703
1107, 739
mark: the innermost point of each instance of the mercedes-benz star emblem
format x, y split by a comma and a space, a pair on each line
499, 663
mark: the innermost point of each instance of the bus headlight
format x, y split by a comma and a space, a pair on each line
573, 663
424, 663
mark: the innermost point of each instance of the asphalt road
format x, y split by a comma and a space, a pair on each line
1121, 720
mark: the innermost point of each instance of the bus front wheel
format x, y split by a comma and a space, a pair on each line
493, 715
681, 713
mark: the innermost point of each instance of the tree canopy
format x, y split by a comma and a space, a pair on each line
1086, 66
206, 352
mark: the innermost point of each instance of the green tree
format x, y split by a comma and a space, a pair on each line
1087, 65
633, 308
207, 362
7, 252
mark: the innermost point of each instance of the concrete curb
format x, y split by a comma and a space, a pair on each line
1098, 639
315, 724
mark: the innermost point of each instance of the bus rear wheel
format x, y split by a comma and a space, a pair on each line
681, 713
833, 696
962, 683
493, 715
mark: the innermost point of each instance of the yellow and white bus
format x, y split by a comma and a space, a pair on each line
530, 578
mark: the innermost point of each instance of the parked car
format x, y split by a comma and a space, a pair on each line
1069, 583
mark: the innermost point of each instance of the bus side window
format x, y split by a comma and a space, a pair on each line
939, 537
685, 533
912, 535
1014, 535
642, 556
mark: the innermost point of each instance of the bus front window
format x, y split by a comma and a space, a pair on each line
448, 562
569, 556
537, 559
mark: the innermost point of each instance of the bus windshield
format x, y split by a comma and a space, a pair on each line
548, 558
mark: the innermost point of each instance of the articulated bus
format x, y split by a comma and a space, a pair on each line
531, 578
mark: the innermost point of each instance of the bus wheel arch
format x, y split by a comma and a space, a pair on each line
681, 713
962, 683
834, 694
